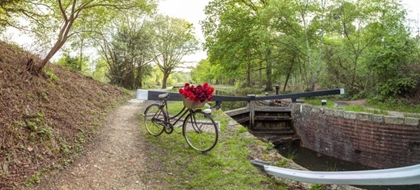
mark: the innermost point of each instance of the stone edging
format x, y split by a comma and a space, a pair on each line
361, 116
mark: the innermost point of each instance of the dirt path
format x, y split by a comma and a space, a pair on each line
115, 160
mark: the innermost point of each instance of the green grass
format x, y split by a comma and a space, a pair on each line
174, 107
291, 155
331, 104
317, 102
362, 109
224, 87
394, 107
243, 129
227, 166
317, 187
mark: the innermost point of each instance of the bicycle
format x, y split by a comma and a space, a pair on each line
198, 128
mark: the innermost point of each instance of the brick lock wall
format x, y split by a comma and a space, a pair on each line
373, 140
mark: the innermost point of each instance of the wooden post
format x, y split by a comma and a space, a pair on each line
251, 105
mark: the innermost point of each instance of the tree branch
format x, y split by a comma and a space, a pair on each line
63, 12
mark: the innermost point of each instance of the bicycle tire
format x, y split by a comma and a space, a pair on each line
200, 131
152, 116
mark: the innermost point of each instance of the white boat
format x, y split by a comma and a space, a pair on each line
409, 175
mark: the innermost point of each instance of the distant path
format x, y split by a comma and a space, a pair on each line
115, 160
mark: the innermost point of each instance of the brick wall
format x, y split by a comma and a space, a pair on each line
373, 140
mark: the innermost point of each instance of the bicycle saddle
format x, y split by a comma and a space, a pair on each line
165, 95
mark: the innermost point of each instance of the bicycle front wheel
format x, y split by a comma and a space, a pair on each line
200, 131
154, 119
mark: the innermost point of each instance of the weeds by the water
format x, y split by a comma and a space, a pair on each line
242, 130
332, 168
317, 187
269, 146
291, 155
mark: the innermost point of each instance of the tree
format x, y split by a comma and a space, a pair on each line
366, 38
70, 62
57, 21
347, 44
392, 52
230, 35
358, 44
202, 72
101, 68
7, 8
173, 38
128, 54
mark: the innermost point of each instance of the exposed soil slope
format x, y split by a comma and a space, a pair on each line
43, 119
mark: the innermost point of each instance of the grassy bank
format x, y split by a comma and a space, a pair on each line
331, 104
227, 166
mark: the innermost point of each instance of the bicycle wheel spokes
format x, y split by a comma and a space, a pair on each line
154, 119
200, 131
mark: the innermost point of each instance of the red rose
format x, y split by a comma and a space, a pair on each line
200, 93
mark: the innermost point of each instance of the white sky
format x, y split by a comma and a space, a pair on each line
413, 7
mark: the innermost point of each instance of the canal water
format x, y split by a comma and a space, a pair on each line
317, 162
312, 160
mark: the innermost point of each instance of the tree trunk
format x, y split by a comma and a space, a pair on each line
268, 71
260, 73
139, 77
36, 69
309, 82
288, 74
248, 75
165, 78
62, 38
81, 55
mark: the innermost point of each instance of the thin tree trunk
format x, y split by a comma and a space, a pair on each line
260, 73
288, 74
165, 79
81, 55
248, 75
308, 48
269, 85
62, 38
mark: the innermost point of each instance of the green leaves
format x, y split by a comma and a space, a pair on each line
358, 45
230, 34
54, 22
172, 39
128, 53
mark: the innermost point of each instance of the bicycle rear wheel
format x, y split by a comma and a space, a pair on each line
200, 131
154, 118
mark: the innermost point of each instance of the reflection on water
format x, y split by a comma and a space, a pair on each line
316, 162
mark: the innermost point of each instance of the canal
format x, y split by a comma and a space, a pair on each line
312, 160
318, 162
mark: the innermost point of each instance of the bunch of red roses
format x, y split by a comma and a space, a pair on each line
200, 93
